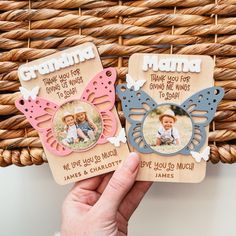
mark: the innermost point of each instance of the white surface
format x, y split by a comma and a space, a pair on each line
30, 204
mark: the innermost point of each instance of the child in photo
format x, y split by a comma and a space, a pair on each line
84, 123
71, 133
167, 134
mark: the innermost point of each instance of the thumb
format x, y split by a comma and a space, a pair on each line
119, 185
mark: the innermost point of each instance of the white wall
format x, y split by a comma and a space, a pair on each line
30, 204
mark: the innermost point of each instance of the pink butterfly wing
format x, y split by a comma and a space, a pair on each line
101, 93
53, 145
109, 126
39, 113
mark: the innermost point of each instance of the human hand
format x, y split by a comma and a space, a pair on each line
103, 205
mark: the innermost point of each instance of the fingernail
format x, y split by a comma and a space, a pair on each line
132, 161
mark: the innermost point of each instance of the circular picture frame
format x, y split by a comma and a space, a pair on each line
79, 119
168, 145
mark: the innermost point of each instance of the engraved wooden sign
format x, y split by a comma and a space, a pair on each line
168, 102
69, 99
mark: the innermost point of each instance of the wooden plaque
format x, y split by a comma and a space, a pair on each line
69, 99
169, 101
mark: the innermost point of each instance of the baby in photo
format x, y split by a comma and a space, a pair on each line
71, 133
84, 123
167, 134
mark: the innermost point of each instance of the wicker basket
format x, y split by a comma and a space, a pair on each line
34, 29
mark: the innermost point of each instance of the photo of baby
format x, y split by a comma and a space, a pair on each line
167, 134
77, 125
167, 129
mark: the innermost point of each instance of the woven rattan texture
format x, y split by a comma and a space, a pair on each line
33, 29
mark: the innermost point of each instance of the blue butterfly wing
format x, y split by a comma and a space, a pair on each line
197, 140
201, 107
136, 105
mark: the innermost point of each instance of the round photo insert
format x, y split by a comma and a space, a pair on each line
77, 125
167, 129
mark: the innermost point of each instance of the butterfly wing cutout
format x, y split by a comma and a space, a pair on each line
100, 92
201, 107
136, 105
39, 112
118, 139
